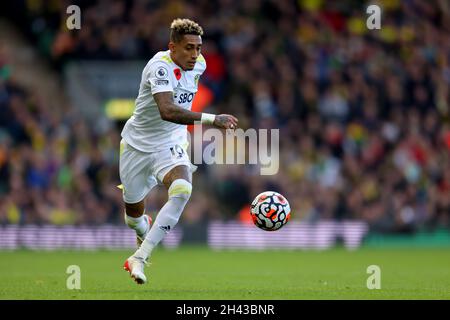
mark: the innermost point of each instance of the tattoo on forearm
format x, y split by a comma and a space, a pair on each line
173, 113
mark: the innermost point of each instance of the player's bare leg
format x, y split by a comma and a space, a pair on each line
178, 183
135, 210
179, 172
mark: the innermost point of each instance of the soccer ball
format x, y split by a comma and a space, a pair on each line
270, 211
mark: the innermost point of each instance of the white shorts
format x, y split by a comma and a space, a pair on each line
141, 171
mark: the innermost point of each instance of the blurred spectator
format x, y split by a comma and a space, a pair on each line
364, 115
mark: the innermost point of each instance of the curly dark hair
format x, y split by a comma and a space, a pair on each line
181, 27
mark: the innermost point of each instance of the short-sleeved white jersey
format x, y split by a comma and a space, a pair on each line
145, 130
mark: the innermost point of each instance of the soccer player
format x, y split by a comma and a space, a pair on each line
154, 140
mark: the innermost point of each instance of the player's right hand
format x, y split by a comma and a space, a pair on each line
225, 121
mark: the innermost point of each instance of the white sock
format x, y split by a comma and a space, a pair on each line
179, 194
138, 224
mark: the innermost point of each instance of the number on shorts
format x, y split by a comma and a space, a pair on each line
177, 151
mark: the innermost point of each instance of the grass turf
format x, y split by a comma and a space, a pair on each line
200, 273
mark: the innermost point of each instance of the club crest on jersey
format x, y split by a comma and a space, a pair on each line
197, 76
177, 73
176, 93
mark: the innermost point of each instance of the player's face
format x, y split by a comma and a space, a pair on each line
186, 51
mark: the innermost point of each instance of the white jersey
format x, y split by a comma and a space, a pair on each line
145, 130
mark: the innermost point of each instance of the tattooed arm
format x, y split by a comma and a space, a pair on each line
173, 113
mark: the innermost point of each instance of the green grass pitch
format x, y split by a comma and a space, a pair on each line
201, 273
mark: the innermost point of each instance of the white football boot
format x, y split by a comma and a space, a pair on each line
135, 266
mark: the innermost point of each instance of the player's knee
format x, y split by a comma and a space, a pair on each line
180, 188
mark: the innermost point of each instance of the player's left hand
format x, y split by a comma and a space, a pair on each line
225, 121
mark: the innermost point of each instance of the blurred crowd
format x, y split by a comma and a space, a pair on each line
364, 115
